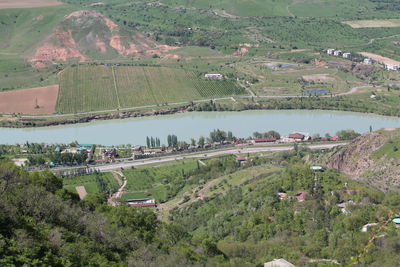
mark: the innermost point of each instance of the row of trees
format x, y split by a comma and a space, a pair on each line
153, 142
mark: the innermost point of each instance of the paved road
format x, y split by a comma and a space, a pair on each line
114, 166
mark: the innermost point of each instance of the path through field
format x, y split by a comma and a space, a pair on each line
111, 201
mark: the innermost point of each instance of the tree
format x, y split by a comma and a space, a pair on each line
230, 136
192, 142
201, 141
153, 142
148, 141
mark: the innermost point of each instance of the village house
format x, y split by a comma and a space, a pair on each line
264, 140
346, 55
330, 51
367, 61
344, 206
396, 221
213, 76
241, 159
337, 53
147, 202
392, 67
282, 195
297, 137
301, 196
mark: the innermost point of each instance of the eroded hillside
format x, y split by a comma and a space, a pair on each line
371, 158
87, 34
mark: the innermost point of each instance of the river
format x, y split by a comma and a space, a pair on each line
194, 124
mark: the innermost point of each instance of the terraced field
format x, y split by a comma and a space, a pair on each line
94, 88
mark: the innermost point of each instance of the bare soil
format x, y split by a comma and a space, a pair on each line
27, 3
321, 78
381, 59
36, 101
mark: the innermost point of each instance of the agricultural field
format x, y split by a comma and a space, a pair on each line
93, 183
373, 23
27, 3
158, 182
91, 88
41, 100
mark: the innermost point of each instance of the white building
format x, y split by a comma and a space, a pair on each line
368, 61
346, 55
214, 76
278, 263
337, 53
392, 67
330, 51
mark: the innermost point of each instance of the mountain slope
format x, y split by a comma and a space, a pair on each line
371, 158
87, 34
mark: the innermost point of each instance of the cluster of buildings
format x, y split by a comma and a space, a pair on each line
367, 61
291, 138
214, 76
338, 53
146, 202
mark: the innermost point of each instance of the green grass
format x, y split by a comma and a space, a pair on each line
239, 7
156, 181
91, 88
89, 182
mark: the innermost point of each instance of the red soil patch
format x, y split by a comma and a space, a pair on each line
101, 46
240, 52
50, 52
319, 63
25, 101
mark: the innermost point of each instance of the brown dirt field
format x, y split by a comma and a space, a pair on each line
27, 3
81, 190
318, 78
380, 59
373, 23
24, 101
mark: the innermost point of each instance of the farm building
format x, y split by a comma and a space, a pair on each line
330, 51
367, 61
301, 196
397, 222
297, 137
337, 53
213, 76
282, 195
241, 158
278, 263
392, 67
264, 140
346, 55
147, 202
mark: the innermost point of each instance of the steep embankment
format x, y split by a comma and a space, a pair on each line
87, 34
372, 158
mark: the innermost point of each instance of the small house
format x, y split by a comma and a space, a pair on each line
367, 61
147, 202
392, 67
264, 140
301, 196
297, 137
282, 195
346, 55
241, 159
396, 222
337, 53
213, 76
330, 51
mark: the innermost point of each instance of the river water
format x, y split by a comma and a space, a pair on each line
187, 125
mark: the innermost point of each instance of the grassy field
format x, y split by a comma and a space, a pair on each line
90, 88
28, 3
90, 182
158, 181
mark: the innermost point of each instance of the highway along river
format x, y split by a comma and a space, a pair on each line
194, 124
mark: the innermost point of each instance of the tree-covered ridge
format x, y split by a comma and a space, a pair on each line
253, 224
42, 224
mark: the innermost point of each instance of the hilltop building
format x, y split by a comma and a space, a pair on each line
213, 76
367, 61
330, 51
147, 202
346, 55
392, 67
337, 53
